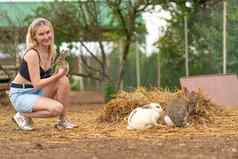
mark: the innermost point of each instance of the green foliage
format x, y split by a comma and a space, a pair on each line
149, 70
74, 84
129, 79
109, 91
232, 38
205, 42
72, 61
76, 22
171, 61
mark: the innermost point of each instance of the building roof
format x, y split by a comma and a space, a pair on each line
14, 13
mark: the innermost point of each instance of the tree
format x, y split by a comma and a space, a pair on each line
83, 21
9, 40
205, 41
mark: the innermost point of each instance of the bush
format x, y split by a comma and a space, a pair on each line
109, 91
75, 84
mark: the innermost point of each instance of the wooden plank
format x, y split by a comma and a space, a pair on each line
11, 70
4, 86
86, 97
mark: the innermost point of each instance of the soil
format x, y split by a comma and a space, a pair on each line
96, 140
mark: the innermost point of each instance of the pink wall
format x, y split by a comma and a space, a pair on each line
221, 89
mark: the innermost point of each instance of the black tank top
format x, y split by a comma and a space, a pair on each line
24, 71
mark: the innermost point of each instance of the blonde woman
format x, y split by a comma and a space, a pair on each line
36, 92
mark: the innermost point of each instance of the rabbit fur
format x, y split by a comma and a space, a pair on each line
146, 117
60, 61
179, 109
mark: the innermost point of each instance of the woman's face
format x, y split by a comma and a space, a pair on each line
44, 36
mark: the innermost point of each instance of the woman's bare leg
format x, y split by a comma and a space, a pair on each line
44, 108
60, 92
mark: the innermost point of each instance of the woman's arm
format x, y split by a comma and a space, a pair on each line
32, 60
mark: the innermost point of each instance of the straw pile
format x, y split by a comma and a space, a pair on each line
4, 100
205, 111
124, 102
119, 108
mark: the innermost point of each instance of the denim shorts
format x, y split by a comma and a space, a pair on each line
23, 99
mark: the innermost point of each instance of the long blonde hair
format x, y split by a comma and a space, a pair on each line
31, 33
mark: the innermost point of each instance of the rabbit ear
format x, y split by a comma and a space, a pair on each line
131, 115
152, 105
193, 93
186, 91
65, 51
168, 121
147, 106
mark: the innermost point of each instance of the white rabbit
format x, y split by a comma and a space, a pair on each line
144, 117
162, 114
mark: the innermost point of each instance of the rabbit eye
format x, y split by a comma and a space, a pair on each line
158, 107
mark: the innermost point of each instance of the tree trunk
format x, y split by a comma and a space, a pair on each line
80, 69
126, 48
137, 65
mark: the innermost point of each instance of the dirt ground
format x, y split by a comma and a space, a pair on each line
96, 140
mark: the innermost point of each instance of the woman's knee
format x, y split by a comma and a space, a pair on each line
50, 90
63, 81
57, 109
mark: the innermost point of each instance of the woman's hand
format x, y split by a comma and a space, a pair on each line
62, 65
61, 72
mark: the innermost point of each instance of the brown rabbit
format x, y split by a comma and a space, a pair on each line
181, 107
61, 62
177, 111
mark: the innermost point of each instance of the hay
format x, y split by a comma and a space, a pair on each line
205, 111
124, 102
4, 99
119, 108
